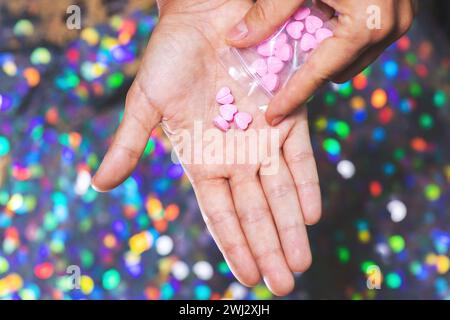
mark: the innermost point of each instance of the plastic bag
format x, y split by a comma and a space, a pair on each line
268, 66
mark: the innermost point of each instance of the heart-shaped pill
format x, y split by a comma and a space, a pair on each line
259, 66
242, 120
308, 42
223, 92
265, 49
271, 81
313, 23
294, 29
322, 34
302, 13
280, 39
224, 96
221, 123
274, 65
227, 111
285, 53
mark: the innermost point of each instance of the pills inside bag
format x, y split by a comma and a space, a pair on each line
269, 65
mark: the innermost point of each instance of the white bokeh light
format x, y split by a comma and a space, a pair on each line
164, 245
83, 182
203, 270
238, 291
346, 169
180, 270
397, 209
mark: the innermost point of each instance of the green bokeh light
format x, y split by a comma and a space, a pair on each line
397, 243
432, 192
330, 98
366, 265
332, 146
342, 129
111, 279
440, 99
343, 254
393, 280
115, 80
5, 146
426, 121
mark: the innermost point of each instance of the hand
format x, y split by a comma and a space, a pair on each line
353, 47
257, 221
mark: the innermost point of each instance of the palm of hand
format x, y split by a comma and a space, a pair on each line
256, 220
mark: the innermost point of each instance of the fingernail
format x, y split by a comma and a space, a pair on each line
94, 187
238, 32
277, 120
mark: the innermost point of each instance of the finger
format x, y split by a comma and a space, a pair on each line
362, 62
129, 141
261, 21
261, 234
218, 211
299, 156
311, 76
405, 16
284, 202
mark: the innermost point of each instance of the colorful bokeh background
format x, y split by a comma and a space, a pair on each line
381, 143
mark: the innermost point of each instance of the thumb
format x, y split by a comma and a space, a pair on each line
129, 142
261, 21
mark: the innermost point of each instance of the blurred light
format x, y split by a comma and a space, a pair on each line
393, 280
346, 169
180, 270
164, 245
397, 209
83, 182
111, 279
141, 242
203, 270
397, 243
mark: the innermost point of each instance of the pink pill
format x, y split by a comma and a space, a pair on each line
221, 123
280, 40
313, 23
308, 42
294, 29
259, 66
227, 111
224, 96
242, 120
271, 81
322, 34
274, 65
223, 92
302, 13
265, 49
285, 53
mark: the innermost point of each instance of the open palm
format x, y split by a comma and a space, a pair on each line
258, 221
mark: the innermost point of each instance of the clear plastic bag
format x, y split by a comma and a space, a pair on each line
268, 66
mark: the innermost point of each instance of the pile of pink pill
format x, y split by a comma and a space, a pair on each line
229, 113
304, 31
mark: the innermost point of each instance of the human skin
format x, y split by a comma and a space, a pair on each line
258, 221
353, 47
